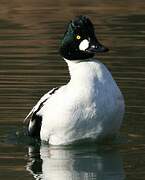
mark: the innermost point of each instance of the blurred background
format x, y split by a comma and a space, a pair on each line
30, 65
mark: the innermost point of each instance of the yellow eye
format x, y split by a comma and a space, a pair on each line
78, 37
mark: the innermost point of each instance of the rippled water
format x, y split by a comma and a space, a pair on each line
30, 33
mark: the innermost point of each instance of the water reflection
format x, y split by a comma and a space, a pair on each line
53, 163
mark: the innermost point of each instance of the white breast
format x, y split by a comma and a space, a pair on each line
89, 106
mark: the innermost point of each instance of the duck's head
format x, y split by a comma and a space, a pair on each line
79, 41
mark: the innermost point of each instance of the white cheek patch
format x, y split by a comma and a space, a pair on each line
84, 45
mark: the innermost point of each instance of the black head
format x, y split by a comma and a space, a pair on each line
79, 41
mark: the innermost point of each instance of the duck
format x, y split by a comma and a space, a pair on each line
91, 105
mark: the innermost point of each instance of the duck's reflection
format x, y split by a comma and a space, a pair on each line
51, 163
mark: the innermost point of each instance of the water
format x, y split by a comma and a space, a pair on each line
30, 33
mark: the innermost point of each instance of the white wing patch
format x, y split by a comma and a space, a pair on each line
43, 99
84, 45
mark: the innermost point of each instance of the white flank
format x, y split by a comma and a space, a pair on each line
89, 106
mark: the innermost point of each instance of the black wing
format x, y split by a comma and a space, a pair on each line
34, 124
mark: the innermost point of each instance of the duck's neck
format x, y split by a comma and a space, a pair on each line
84, 72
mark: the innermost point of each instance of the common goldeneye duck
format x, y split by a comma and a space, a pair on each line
90, 106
